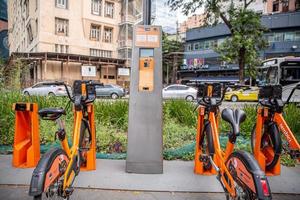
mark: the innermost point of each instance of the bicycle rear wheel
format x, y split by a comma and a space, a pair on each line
84, 140
207, 145
250, 181
270, 144
47, 177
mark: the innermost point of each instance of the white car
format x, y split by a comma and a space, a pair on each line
46, 88
178, 91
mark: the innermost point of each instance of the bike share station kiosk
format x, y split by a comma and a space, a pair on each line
144, 150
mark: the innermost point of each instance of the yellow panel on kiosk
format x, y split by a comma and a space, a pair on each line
146, 69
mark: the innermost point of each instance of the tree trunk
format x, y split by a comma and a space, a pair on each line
242, 65
174, 70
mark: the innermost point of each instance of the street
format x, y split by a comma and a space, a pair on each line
21, 192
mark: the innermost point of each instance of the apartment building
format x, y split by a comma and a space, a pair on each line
88, 28
3, 30
277, 6
194, 21
131, 13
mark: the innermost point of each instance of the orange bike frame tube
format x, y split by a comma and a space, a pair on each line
286, 131
219, 156
65, 146
258, 131
74, 150
199, 131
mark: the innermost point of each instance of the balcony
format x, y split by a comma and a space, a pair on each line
124, 43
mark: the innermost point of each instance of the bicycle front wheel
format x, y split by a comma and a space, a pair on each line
250, 182
270, 144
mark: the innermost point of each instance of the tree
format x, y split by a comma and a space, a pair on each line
244, 25
246, 42
170, 46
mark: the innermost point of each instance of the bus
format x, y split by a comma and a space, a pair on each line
284, 71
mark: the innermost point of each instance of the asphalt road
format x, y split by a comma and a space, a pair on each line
21, 192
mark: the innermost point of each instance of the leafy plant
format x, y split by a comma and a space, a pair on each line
243, 23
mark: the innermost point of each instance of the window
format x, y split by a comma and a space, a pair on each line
297, 36
107, 37
275, 6
270, 37
289, 36
206, 45
29, 33
172, 88
61, 3
196, 46
297, 5
201, 45
109, 9
278, 37
96, 7
61, 26
95, 32
108, 77
59, 48
189, 47
285, 6
215, 43
179, 87
100, 53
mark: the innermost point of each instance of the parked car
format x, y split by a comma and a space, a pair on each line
178, 91
110, 90
46, 88
242, 94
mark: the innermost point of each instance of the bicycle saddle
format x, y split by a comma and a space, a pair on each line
234, 118
51, 113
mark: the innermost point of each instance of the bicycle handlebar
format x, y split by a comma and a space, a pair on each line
297, 87
208, 101
77, 99
271, 102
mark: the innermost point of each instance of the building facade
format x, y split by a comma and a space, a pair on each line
193, 21
201, 61
3, 30
85, 27
277, 6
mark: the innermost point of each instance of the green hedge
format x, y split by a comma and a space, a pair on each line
112, 122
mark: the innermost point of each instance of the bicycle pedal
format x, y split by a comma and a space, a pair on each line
69, 191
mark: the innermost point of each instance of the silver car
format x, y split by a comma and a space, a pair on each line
46, 88
110, 90
178, 91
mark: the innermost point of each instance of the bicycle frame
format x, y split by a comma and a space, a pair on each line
263, 114
220, 156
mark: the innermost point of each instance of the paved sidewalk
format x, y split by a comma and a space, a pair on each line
21, 192
178, 176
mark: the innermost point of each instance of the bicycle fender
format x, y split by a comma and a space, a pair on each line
39, 173
252, 175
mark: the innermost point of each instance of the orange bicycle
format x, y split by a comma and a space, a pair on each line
57, 169
266, 139
237, 171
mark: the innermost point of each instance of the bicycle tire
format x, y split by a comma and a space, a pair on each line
82, 143
209, 149
247, 176
49, 170
270, 137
